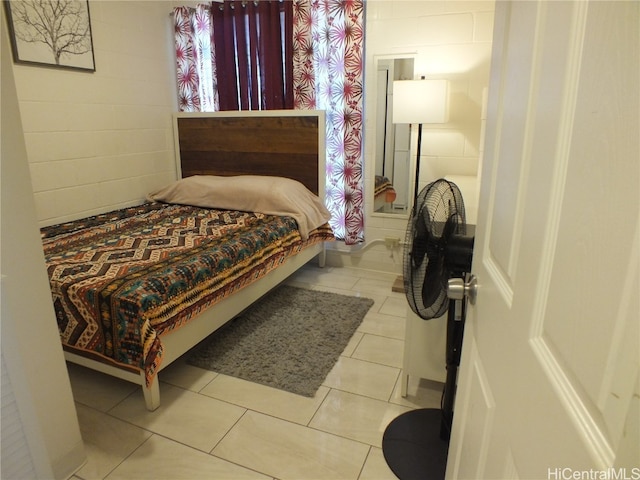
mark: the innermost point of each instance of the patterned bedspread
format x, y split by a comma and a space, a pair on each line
122, 279
384, 189
382, 184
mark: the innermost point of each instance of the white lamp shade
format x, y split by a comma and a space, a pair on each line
420, 101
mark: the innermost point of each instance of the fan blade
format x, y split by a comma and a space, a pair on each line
431, 286
420, 242
449, 229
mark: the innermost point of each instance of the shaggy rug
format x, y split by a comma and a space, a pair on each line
289, 339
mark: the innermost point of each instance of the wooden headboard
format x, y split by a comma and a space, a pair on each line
285, 143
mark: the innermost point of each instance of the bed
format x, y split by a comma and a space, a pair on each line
384, 194
136, 288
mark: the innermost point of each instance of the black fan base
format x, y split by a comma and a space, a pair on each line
412, 446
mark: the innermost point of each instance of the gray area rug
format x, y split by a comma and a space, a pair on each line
290, 339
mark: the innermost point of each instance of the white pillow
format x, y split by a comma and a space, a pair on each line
249, 193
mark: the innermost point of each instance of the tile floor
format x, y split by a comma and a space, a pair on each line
212, 426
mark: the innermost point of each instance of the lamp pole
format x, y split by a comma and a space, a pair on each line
415, 195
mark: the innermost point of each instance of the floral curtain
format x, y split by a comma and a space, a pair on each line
195, 59
328, 41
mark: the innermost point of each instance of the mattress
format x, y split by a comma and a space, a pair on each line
121, 280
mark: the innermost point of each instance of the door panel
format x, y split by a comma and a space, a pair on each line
503, 231
550, 364
477, 419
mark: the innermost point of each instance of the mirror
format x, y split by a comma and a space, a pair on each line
392, 193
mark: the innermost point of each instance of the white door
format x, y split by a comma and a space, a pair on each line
548, 385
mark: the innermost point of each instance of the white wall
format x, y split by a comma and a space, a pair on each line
100, 141
448, 39
94, 142
40, 431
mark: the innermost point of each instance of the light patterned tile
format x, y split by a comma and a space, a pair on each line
96, 389
186, 376
376, 285
395, 305
271, 401
421, 393
353, 416
383, 325
387, 351
107, 441
353, 344
160, 458
289, 451
365, 274
195, 420
376, 468
364, 378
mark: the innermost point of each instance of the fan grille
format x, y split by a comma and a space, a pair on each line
438, 213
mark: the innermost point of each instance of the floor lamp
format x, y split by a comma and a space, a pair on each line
412, 444
419, 102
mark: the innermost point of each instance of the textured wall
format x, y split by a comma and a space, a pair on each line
99, 141
448, 39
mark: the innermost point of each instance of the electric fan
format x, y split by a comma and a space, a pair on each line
438, 253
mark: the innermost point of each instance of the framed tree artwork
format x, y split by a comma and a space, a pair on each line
52, 33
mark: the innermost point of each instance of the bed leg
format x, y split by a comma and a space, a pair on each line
322, 257
151, 394
404, 384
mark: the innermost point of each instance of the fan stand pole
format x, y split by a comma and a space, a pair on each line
455, 330
415, 444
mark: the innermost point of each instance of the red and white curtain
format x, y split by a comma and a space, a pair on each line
328, 42
254, 60
195, 59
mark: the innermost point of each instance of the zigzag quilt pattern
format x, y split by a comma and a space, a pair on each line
121, 279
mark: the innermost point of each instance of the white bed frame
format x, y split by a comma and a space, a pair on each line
179, 341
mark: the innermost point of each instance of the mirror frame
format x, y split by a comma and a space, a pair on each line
376, 60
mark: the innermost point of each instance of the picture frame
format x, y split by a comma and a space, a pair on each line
68, 46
